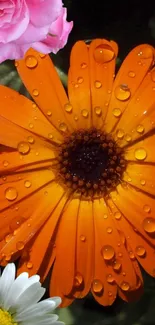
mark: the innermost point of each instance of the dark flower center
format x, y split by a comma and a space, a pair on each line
91, 162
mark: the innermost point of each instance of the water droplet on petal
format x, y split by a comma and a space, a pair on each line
98, 84
117, 112
108, 252
146, 208
83, 65
31, 61
8, 237
31, 126
117, 265
131, 74
140, 251
125, 286
120, 133
105, 216
50, 135
84, 112
11, 193
140, 128
30, 139
103, 53
110, 278
143, 182
29, 265
80, 80
117, 215
5, 163
140, 154
63, 127
98, 111
122, 92
68, 108
97, 286
128, 137
146, 53
16, 64
49, 113
78, 279
82, 238
20, 245
109, 230
131, 255
27, 184
23, 147
149, 225
42, 55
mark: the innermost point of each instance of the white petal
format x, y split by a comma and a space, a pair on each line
37, 310
30, 296
21, 284
6, 280
46, 320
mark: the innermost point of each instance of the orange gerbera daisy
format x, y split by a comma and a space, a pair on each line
78, 172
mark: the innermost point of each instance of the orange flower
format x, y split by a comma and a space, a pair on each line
77, 173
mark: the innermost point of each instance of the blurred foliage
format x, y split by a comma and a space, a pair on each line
129, 23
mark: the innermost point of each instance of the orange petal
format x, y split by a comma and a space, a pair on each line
139, 117
136, 207
66, 246
84, 264
141, 176
39, 215
45, 87
23, 112
79, 86
112, 249
142, 151
41, 241
102, 56
138, 62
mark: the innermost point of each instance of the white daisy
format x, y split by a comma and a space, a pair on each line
19, 300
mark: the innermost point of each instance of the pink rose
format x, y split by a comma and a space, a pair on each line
26, 23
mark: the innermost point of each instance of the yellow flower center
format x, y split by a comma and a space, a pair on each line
6, 318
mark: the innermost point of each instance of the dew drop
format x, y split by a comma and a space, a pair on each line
128, 137
103, 53
82, 238
117, 215
149, 225
84, 112
27, 184
143, 182
146, 53
29, 265
120, 134
31, 61
80, 80
105, 216
5, 163
49, 113
11, 193
63, 127
125, 286
35, 92
30, 139
122, 92
108, 252
16, 223
131, 74
20, 245
110, 278
83, 65
98, 111
78, 279
42, 55
109, 230
153, 75
50, 136
117, 265
31, 126
16, 64
140, 128
68, 108
140, 154
97, 286
146, 208
23, 147
131, 255
76, 118
117, 112
140, 251
8, 237
98, 84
